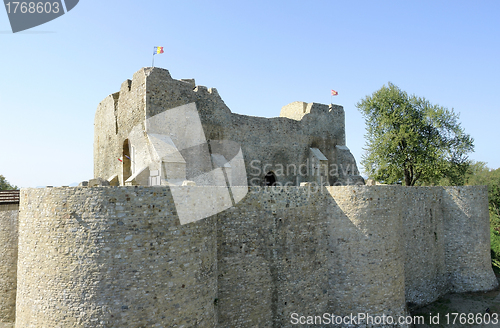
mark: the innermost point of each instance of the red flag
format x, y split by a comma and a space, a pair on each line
334, 93
120, 160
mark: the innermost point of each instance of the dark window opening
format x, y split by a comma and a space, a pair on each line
127, 171
270, 179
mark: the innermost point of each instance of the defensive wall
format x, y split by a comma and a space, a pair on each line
109, 256
284, 140
8, 261
118, 257
9, 209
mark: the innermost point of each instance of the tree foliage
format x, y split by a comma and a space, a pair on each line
494, 192
411, 141
480, 174
5, 185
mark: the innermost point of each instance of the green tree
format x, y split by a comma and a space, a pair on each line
480, 174
494, 191
5, 185
411, 141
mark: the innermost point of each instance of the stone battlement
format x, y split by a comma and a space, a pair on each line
285, 140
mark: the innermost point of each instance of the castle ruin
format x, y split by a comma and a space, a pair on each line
275, 243
310, 136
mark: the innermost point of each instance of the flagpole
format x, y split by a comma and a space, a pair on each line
157, 50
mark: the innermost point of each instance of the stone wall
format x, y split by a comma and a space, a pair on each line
8, 261
112, 257
106, 141
423, 233
333, 250
368, 251
467, 239
115, 117
447, 241
266, 142
273, 258
117, 256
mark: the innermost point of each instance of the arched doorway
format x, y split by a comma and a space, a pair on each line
270, 179
127, 170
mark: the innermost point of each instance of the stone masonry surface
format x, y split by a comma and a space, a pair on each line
118, 257
113, 257
113, 252
8, 261
266, 142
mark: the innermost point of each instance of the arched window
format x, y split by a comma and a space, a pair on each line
127, 171
270, 179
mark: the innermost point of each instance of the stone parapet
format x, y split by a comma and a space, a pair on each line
119, 257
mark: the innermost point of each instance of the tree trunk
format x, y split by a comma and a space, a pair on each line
408, 179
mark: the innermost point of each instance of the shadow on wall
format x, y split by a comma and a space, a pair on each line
276, 254
467, 235
296, 253
426, 277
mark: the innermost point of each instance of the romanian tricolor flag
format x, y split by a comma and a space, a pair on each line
158, 50
334, 93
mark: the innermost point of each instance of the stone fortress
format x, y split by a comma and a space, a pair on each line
304, 134
299, 234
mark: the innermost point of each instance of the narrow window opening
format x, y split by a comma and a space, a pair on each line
270, 179
127, 171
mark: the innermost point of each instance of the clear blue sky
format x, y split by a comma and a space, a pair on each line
260, 55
